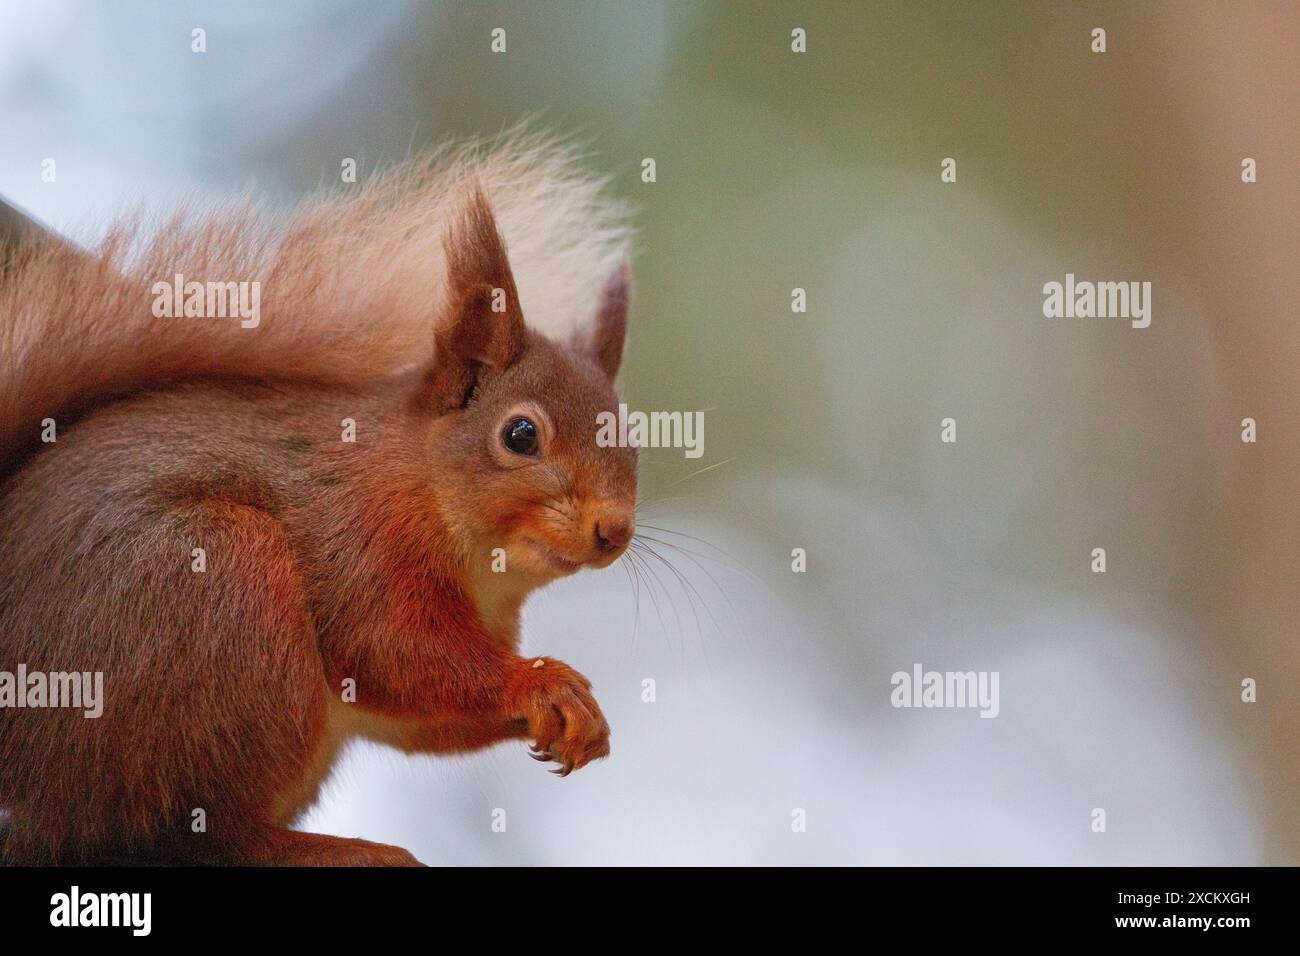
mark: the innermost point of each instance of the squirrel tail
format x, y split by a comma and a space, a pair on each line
349, 283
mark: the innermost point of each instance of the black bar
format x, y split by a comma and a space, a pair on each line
478, 905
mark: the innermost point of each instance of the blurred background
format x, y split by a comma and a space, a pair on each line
821, 171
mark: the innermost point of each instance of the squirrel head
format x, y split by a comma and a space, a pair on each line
515, 418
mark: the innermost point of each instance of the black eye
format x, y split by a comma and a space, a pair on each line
520, 436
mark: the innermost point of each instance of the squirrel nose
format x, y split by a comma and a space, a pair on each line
613, 531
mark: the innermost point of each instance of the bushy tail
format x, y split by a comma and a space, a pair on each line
349, 282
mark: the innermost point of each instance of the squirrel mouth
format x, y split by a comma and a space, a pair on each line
553, 558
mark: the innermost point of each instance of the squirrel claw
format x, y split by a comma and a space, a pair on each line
565, 721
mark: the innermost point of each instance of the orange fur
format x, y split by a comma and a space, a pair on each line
327, 560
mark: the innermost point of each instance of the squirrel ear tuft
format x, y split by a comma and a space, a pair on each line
482, 325
611, 321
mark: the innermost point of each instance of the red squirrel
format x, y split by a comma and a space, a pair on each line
327, 564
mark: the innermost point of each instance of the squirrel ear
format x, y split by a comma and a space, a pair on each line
611, 321
482, 326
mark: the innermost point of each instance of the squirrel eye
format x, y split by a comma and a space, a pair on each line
520, 436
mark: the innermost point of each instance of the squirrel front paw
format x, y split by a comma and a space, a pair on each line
563, 717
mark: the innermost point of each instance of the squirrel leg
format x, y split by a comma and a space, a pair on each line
537, 698
457, 736
213, 703
275, 846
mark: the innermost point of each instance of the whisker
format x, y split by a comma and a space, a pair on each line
639, 563
691, 496
692, 557
734, 565
672, 601
693, 596
653, 576
546, 506
696, 474
691, 591
678, 481
636, 600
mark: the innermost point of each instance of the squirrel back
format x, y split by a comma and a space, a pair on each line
348, 282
